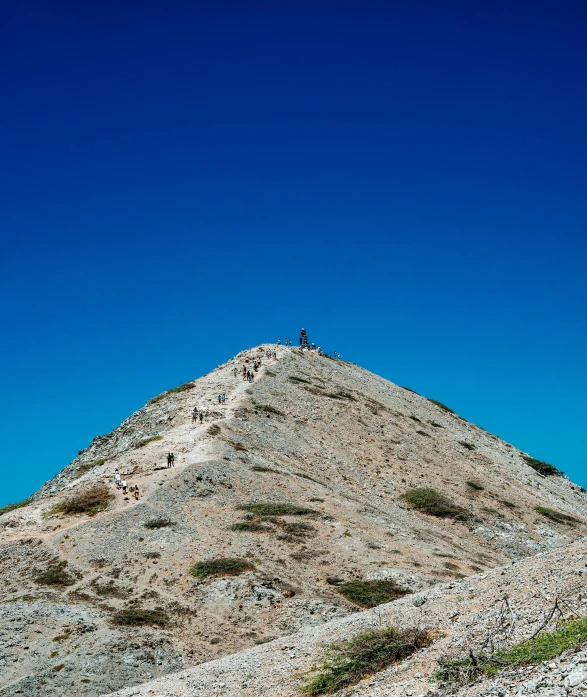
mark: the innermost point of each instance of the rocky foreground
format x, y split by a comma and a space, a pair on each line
337, 449
463, 614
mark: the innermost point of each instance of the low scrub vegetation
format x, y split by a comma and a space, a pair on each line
139, 618
87, 466
220, 567
13, 506
89, 501
474, 485
306, 476
261, 468
557, 516
341, 394
434, 503
543, 468
214, 430
264, 509
237, 446
269, 409
156, 523
173, 390
468, 446
544, 647
371, 593
295, 378
55, 575
346, 663
150, 439
440, 405
249, 526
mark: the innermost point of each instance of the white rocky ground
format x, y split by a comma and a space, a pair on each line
335, 438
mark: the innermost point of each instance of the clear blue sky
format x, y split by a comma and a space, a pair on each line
180, 181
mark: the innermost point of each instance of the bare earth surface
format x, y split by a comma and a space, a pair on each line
322, 434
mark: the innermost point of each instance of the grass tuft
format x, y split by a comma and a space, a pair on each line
264, 509
139, 618
220, 567
89, 501
557, 516
13, 506
55, 575
544, 647
87, 466
544, 468
475, 485
434, 503
347, 662
269, 409
261, 468
173, 390
441, 405
150, 439
156, 523
295, 378
371, 593
249, 526
468, 446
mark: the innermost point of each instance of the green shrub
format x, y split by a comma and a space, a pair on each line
341, 394
249, 526
507, 504
306, 476
139, 618
294, 378
371, 593
55, 575
150, 439
264, 509
544, 647
237, 446
544, 468
220, 567
434, 503
89, 501
13, 506
440, 405
156, 523
87, 466
260, 468
475, 485
557, 516
468, 446
269, 409
347, 662
173, 390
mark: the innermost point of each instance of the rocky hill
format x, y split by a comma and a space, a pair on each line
315, 491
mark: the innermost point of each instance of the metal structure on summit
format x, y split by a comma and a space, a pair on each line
303, 338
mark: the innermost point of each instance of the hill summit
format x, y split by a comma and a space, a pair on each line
310, 493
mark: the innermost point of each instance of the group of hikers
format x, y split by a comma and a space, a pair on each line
248, 373
123, 484
222, 398
197, 414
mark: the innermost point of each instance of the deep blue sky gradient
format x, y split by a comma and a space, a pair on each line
180, 181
